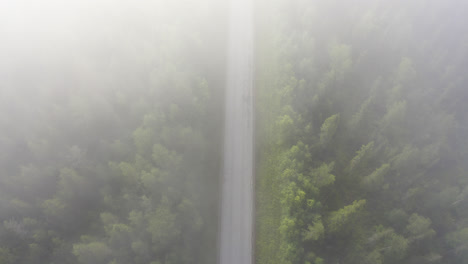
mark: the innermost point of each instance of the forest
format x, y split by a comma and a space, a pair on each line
362, 132
112, 124
110, 132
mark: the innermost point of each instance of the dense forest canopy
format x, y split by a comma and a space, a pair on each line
111, 126
110, 131
363, 132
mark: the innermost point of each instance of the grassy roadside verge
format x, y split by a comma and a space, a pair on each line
269, 240
268, 218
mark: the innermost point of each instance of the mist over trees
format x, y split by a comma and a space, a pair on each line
363, 132
111, 126
110, 120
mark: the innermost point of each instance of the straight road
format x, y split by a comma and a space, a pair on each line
237, 200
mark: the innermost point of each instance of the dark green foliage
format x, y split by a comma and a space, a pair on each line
111, 147
371, 131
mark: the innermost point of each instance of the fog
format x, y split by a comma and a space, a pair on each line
111, 120
149, 132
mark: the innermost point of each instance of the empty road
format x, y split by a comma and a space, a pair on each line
236, 224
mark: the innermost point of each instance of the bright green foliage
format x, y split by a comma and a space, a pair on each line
361, 156
387, 245
161, 225
321, 176
374, 180
165, 159
285, 125
314, 232
328, 129
344, 216
110, 138
361, 132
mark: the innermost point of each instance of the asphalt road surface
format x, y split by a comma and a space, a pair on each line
236, 224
